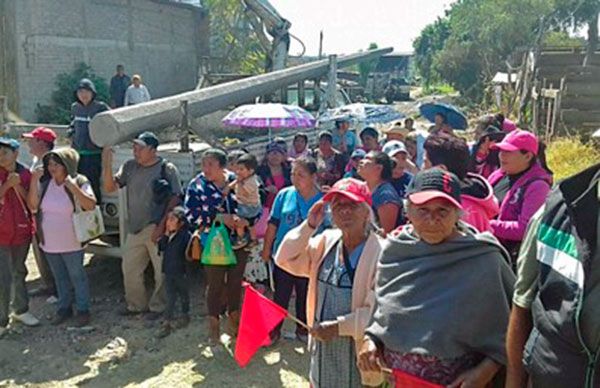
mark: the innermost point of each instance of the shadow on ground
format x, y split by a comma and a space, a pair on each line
122, 351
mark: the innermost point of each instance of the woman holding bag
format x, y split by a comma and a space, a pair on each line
55, 193
206, 203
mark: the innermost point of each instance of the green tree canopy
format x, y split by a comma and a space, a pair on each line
475, 38
232, 39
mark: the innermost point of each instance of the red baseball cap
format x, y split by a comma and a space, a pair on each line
351, 188
518, 140
41, 133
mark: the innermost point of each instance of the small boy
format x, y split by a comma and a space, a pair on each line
246, 188
173, 246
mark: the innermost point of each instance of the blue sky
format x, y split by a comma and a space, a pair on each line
350, 25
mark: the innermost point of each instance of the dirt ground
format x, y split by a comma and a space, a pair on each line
123, 352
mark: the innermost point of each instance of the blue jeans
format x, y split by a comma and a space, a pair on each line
69, 275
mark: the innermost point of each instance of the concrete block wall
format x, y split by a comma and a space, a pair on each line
157, 39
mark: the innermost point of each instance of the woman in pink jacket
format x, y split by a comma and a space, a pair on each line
521, 185
340, 264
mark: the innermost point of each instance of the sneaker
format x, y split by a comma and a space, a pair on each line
239, 242
152, 316
28, 319
82, 319
52, 299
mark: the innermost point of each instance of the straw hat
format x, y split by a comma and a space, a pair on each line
395, 130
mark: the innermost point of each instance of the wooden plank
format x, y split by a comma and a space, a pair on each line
559, 71
560, 59
582, 89
577, 116
581, 103
550, 93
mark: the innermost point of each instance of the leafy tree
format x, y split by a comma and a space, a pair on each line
475, 38
427, 46
59, 109
232, 38
576, 14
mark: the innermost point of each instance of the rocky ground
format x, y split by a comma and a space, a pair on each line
116, 351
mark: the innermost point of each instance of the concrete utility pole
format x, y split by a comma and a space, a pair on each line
119, 125
330, 95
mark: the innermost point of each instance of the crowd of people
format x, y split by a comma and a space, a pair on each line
405, 249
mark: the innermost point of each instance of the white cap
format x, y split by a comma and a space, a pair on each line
392, 147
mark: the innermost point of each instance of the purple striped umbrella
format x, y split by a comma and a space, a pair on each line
269, 116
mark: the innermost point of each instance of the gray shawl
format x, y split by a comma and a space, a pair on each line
444, 300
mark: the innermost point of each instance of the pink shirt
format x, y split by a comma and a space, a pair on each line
57, 219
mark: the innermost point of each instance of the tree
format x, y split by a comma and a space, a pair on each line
59, 109
576, 14
427, 46
366, 67
232, 38
475, 39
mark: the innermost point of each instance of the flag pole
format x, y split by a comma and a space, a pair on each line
293, 318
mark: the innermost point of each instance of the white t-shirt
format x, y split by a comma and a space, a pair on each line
57, 219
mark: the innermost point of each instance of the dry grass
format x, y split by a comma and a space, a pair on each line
568, 156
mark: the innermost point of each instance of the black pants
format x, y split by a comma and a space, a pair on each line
225, 280
91, 167
177, 288
285, 284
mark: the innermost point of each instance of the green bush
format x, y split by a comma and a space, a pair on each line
59, 109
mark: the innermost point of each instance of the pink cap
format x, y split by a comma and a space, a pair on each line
508, 125
518, 140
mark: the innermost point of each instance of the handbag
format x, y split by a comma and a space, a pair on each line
88, 224
194, 247
217, 247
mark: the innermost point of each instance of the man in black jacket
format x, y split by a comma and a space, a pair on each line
83, 111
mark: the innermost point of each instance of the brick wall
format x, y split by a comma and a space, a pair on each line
160, 41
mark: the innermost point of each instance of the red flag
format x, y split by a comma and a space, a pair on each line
259, 317
404, 380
